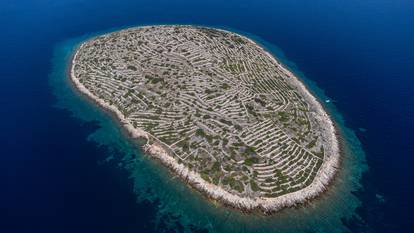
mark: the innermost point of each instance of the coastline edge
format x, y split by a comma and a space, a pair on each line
265, 205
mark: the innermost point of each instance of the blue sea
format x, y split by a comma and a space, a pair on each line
66, 166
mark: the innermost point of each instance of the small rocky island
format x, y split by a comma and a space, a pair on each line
217, 109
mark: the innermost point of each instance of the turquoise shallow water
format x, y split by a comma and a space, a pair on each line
66, 167
175, 203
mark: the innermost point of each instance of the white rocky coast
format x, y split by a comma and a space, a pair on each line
217, 109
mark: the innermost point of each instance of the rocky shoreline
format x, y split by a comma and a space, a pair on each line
264, 205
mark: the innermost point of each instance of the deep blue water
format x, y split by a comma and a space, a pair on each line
54, 171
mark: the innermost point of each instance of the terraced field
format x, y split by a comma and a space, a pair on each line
215, 101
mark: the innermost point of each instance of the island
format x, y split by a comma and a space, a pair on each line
217, 109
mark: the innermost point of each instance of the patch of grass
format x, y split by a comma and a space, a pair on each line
254, 186
250, 161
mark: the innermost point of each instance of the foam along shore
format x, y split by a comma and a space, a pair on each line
266, 205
